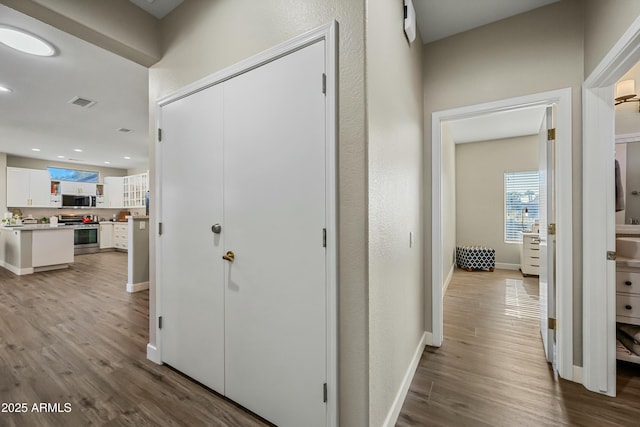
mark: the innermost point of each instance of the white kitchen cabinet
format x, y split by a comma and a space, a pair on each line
121, 236
113, 192
78, 188
106, 235
28, 188
135, 188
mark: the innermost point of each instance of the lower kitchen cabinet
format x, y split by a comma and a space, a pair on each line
106, 235
121, 236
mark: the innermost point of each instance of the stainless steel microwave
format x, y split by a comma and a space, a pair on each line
74, 201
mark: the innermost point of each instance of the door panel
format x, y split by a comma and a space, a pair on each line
275, 212
547, 241
191, 271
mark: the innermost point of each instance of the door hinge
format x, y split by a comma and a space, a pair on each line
159, 135
611, 255
324, 237
552, 323
324, 392
160, 322
551, 229
160, 228
551, 134
324, 83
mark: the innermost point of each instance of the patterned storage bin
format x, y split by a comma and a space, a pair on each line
475, 258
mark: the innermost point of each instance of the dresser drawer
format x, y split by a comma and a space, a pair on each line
628, 305
627, 282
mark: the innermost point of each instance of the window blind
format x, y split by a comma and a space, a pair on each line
521, 203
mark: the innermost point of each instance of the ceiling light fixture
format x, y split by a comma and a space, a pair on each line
626, 92
35, 149
107, 163
60, 157
25, 42
77, 150
127, 158
5, 89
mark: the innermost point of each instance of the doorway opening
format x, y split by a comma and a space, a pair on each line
442, 256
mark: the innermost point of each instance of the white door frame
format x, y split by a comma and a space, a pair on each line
564, 196
328, 33
598, 289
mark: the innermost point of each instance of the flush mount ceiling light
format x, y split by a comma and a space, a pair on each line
35, 149
25, 42
5, 89
626, 92
77, 150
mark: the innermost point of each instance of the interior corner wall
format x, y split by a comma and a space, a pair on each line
200, 38
605, 22
480, 191
449, 207
118, 26
534, 52
395, 168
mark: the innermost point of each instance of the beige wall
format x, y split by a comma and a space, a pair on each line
396, 290
534, 52
480, 190
449, 207
202, 37
115, 25
605, 22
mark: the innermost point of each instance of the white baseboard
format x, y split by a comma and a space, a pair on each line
428, 338
577, 374
137, 287
16, 270
394, 412
507, 266
153, 354
448, 280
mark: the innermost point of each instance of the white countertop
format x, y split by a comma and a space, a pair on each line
32, 227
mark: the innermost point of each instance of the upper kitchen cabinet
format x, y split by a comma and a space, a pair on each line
135, 189
113, 191
28, 188
78, 188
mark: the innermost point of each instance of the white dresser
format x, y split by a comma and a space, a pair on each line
628, 295
530, 254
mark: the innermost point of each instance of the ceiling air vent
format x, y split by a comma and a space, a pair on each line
124, 130
82, 102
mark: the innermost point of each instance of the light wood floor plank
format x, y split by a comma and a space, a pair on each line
76, 336
491, 369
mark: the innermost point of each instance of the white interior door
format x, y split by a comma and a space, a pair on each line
191, 271
275, 212
547, 240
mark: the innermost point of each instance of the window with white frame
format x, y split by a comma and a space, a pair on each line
521, 202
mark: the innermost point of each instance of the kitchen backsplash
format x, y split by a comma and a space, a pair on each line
107, 214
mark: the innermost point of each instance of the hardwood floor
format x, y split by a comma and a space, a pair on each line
75, 337
491, 369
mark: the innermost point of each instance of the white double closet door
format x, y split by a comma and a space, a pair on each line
248, 154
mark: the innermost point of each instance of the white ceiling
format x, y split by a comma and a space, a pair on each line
37, 114
503, 124
157, 8
438, 19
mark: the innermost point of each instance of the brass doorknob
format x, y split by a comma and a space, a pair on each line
229, 256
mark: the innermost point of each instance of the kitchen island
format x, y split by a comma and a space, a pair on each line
27, 249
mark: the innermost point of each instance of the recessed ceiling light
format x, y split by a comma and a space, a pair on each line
77, 150
25, 42
107, 163
127, 158
60, 157
35, 149
5, 89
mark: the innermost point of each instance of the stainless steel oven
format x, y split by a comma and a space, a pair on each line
86, 233
86, 238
